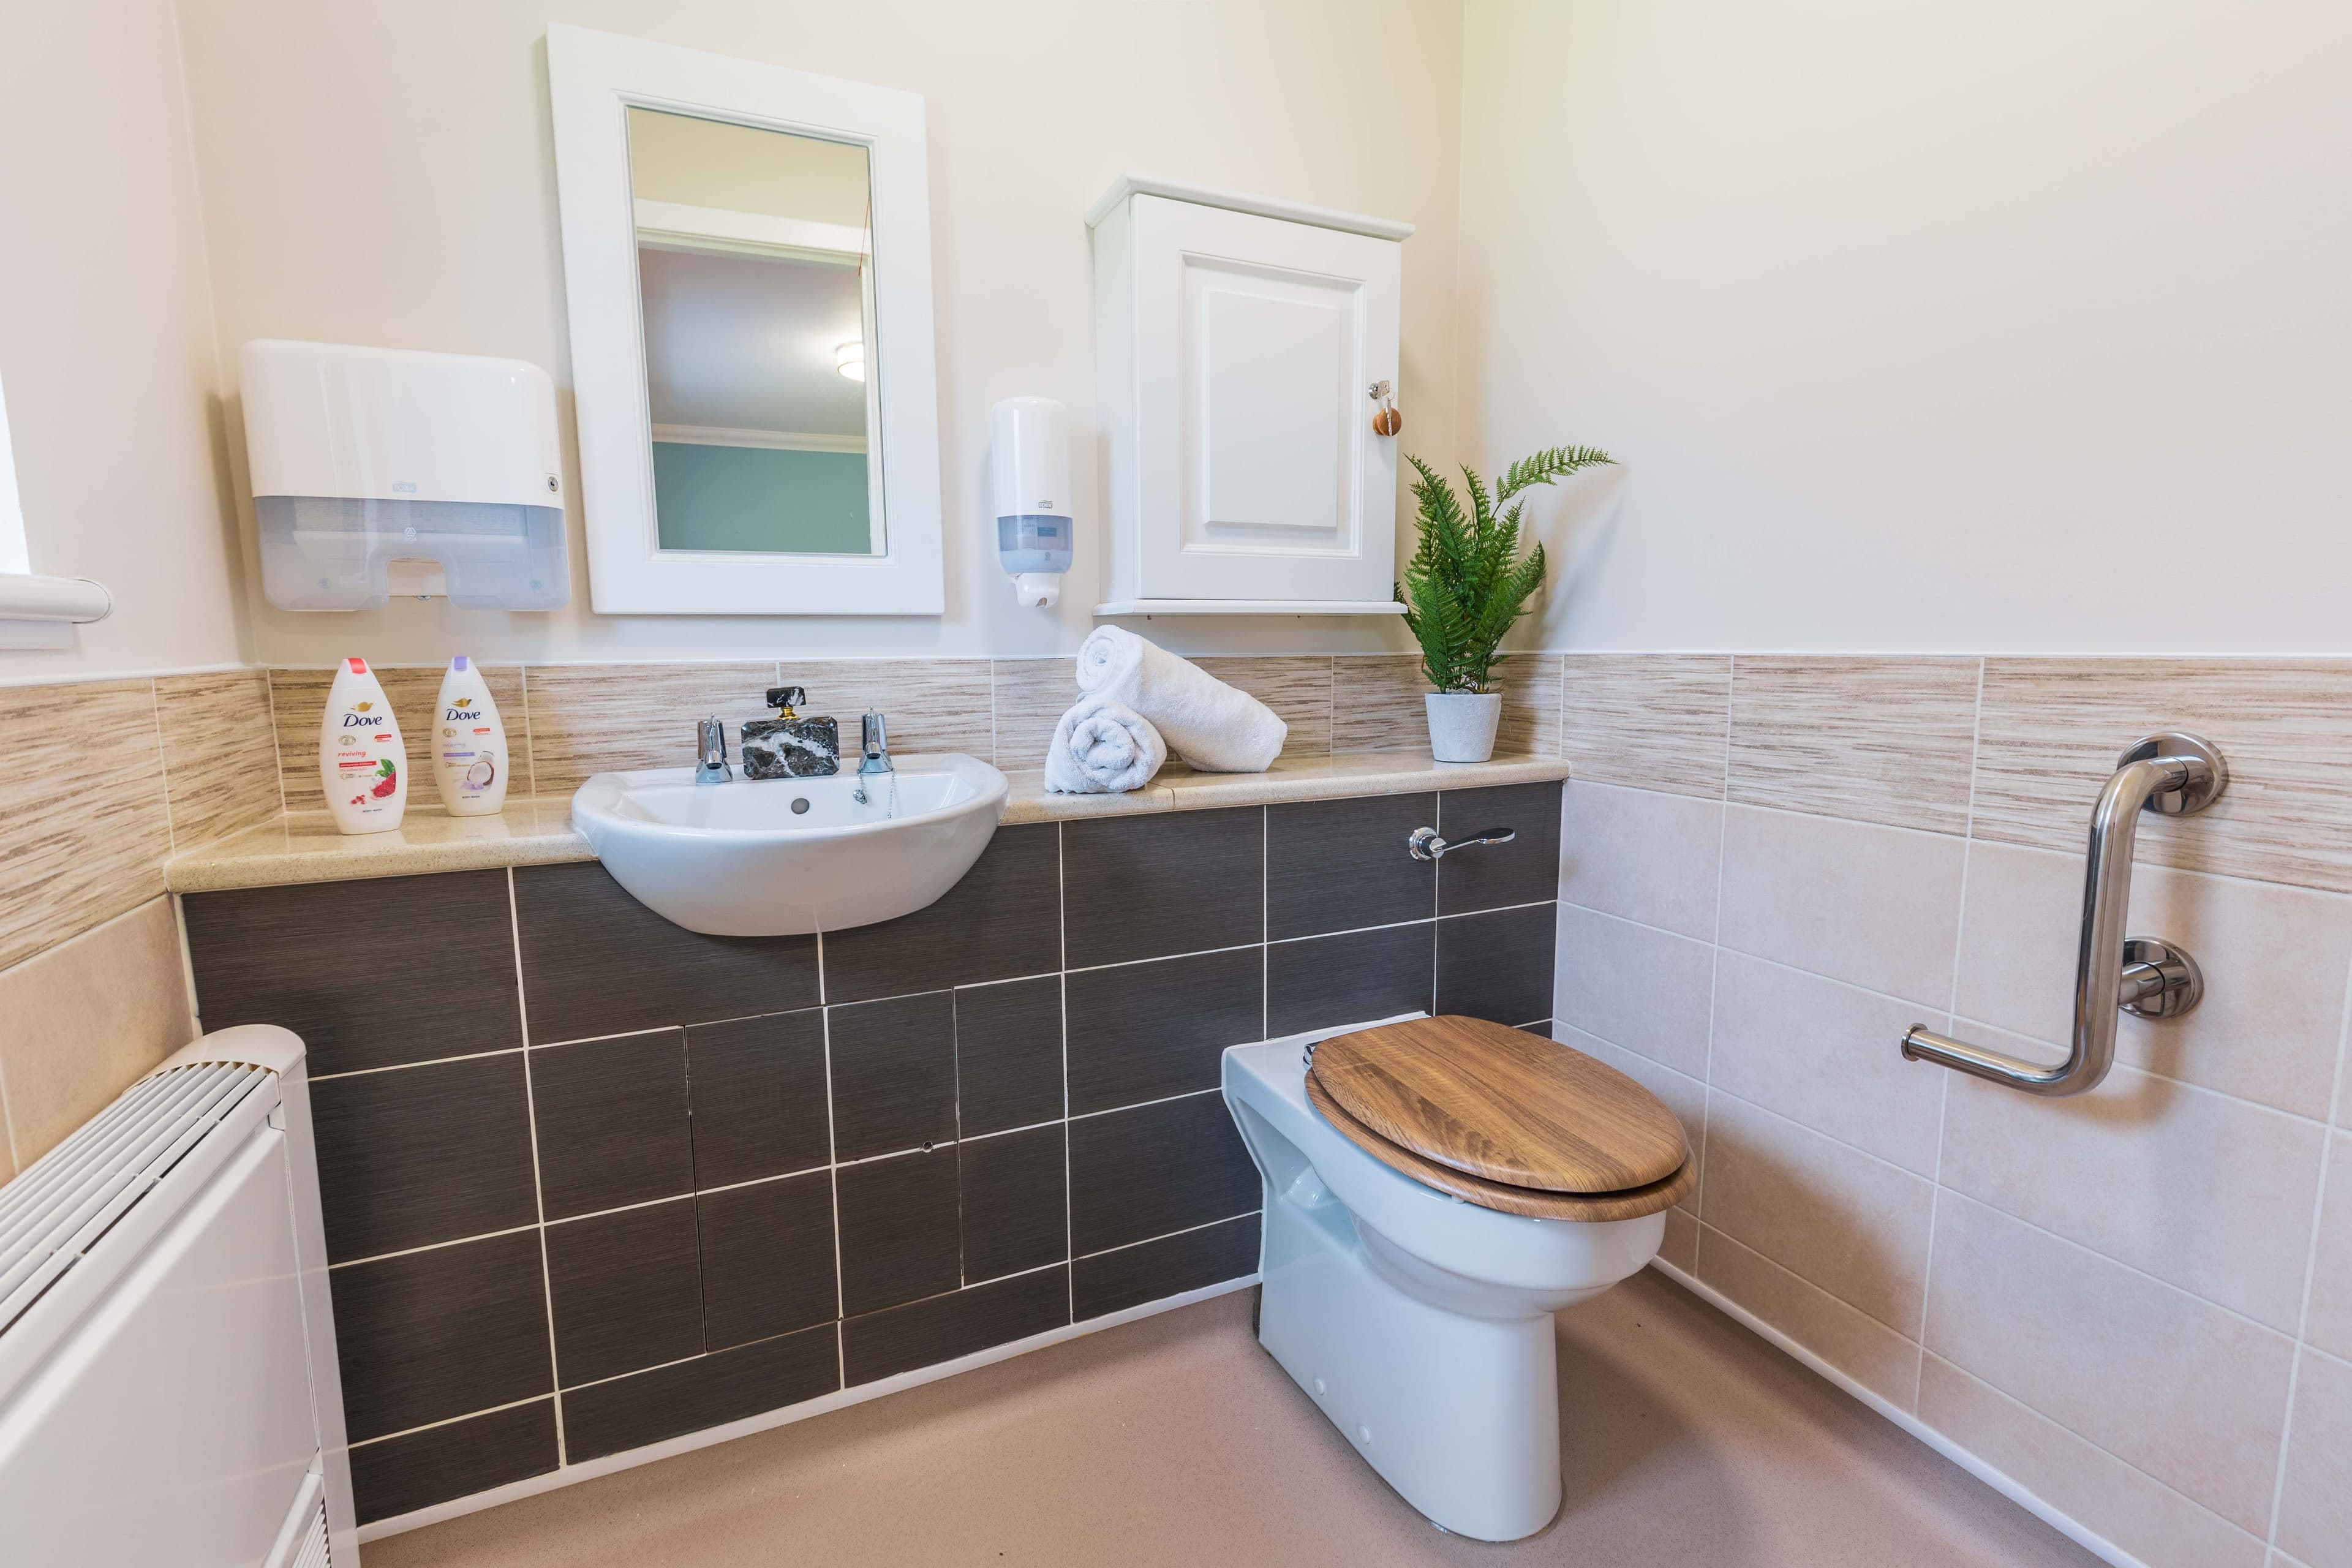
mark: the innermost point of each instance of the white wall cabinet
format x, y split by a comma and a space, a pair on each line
1237, 342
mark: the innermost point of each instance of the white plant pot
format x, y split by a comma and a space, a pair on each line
1462, 724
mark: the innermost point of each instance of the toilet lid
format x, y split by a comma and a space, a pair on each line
1503, 1105
1587, 1208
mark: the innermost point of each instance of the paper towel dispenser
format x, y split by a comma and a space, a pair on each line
362, 457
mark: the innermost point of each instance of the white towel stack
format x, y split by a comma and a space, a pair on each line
1215, 727
1102, 748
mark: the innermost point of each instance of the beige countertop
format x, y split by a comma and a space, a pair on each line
304, 846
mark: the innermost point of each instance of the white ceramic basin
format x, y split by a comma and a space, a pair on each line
783, 856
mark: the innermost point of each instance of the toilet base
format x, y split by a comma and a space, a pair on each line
1459, 1413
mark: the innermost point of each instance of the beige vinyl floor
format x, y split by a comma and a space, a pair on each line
1687, 1443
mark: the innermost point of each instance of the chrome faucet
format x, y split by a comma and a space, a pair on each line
710, 741
874, 741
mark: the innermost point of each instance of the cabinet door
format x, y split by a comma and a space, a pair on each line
1257, 340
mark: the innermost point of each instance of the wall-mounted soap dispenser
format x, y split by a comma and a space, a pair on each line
1029, 456
363, 457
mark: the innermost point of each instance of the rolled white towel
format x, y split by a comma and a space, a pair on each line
1217, 728
1102, 747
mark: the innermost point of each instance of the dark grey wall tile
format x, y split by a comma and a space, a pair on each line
1003, 921
286, 955
1336, 865
1139, 1174
596, 962
1490, 875
899, 1236
430, 1335
767, 1259
1142, 1031
1008, 1054
1496, 965
1015, 1217
1144, 887
424, 1155
627, 1289
708, 1391
417, 1469
756, 1085
945, 1327
613, 1126
893, 1074
1347, 979
1110, 1281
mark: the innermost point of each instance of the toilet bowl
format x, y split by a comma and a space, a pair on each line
1418, 1320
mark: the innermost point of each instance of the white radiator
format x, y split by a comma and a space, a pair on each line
168, 1392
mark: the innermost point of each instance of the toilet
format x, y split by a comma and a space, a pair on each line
1436, 1189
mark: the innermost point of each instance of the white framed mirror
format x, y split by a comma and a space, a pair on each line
747, 269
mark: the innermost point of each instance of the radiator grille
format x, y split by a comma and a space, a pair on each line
53, 1214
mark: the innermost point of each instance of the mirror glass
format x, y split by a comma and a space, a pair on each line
755, 270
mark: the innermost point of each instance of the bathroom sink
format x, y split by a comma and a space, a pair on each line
783, 856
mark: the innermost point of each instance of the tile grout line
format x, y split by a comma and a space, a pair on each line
1062, 983
537, 1188
1951, 1013
1714, 963
2310, 1271
833, 1188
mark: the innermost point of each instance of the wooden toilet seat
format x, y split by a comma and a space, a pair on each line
1503, 1120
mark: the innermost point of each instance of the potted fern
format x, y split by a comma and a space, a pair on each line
1465, 585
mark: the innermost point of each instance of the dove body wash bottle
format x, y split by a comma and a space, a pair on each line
469, 744
363, 766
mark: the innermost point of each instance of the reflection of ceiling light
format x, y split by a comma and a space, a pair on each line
850, 360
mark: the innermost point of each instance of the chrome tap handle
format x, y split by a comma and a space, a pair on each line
875, 744
711, 748
1424, 844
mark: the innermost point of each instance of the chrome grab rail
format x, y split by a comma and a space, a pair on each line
2172, 774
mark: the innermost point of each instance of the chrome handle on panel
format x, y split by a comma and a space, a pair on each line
1424, 844
2172, 774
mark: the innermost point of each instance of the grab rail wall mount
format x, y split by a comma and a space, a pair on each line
2171, 775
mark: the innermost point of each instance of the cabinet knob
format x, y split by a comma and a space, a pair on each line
1386, 420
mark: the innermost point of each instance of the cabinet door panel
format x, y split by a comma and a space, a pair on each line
1260, 477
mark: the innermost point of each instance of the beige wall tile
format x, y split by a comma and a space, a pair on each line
1680, 1246
220, 753
298, 698
2210, 1193
1651, 720
2135, 1511
1643, 989
81, 1021
84, 825
1850, 1224
929, 704
2193, 1394
2053, 727
1530, 683
1030, 696
1297, 689
1376, 703
1684, 1094
593, 718
2329, 1325
2314, 1519
1873, 906
1877, 739
2274, 959
1855, 1343
1644, 854
1825, 1054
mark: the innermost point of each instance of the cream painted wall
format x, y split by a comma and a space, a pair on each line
382, 174
106, 338
2004, 326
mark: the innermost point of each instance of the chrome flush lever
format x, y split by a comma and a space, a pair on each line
1424, 844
